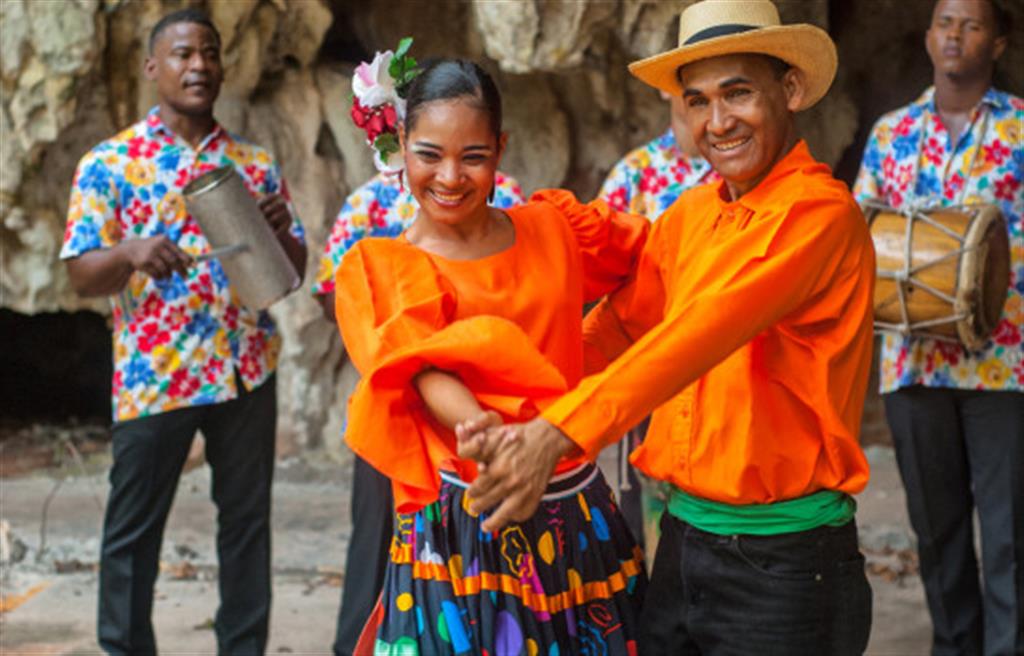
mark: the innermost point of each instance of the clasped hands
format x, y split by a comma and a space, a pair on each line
515, 462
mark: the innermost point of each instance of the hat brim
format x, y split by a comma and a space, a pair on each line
805, 47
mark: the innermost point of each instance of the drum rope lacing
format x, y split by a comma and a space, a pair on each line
904, 277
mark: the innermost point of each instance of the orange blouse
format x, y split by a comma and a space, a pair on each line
509, 325
749, 324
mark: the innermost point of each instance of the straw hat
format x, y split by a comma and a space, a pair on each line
713, 28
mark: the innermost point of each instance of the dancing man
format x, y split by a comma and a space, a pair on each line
748, 329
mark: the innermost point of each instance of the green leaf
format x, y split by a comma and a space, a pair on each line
386, 144
403, 47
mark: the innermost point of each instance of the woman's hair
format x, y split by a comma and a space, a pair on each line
449, 79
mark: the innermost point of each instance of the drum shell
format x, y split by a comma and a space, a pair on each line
888, 232
976, 279
228, 214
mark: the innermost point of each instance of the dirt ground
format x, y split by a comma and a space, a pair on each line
49, 596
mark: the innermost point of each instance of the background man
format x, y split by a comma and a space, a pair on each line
186, 356
646, 182
749, 328
957, 417
379, 208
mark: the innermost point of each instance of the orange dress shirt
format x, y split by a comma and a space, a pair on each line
508, 325
748, 327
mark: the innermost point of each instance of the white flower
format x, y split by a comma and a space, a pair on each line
372, 84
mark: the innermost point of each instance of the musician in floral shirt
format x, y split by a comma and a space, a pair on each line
957, 417
187, 355
649, 179
381, 207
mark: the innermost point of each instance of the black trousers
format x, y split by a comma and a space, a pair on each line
372, 513
959, 451
786, 595
149, 454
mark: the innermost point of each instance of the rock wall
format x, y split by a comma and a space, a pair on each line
70, 75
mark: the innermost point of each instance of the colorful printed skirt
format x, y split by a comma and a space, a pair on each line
570, 580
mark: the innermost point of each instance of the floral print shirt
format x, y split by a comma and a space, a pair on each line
177, 341
911, 159
383, 208
649, 179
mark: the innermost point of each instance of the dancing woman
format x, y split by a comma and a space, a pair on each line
471, 310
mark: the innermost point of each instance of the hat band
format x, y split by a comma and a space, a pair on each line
719, 30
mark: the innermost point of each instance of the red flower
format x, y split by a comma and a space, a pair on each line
250, 367
617, 199
152, 307
182, 384
374, 120
214, 367
139, 212
152, 336
390, 117
256, 176
996, 153
902, 129
142, 147
378, 215
1006, 187
1006, 334
955, 184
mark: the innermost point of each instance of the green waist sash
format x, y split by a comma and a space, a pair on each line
824, 508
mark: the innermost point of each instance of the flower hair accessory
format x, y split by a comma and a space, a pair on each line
378, 102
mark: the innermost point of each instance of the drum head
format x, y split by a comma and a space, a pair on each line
984, 276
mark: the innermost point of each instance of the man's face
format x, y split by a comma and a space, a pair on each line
962, 40
185, 64
739, 111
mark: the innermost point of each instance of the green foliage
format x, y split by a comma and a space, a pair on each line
403, 68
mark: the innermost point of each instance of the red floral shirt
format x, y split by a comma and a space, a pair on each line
178, 341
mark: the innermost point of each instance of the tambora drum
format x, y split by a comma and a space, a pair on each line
943, 272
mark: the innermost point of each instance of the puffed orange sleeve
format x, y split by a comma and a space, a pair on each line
620, 319
610, 242
396, 315
788, 262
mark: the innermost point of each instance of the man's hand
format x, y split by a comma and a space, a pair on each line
158, 257
275, 209
518, 473
480, 437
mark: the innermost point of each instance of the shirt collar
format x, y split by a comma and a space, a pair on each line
993, 98
156, 127
798, 157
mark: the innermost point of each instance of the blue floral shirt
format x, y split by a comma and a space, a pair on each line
649, 179
177, 341
910, 159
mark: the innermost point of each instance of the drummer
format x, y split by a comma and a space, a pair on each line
748, 327
186, 357
957, 417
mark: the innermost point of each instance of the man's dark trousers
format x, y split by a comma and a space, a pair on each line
367, 560
149, 454
961, 450
794, 594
